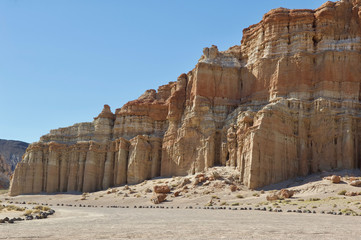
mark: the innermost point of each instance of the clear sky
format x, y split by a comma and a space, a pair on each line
62, 60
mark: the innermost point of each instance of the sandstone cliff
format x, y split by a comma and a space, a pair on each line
284, 103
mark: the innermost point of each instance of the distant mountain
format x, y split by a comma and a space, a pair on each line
12, 151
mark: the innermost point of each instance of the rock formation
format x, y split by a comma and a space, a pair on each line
284, 103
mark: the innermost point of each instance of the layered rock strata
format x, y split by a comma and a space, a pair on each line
284, 103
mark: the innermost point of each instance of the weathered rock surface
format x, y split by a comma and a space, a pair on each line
282, 194
5, 172
158, 198
335, 179
356, 183
12, 151
284, 103
161, 189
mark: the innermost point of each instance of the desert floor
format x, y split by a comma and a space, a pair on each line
203, 210
107, 223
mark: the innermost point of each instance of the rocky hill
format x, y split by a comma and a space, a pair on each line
284, 103
12, 151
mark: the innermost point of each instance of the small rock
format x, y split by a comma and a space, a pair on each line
356, 183
233, 188
184, 182
148, 190
216, 175
206, 183
351, 194
199, 175
202, 179
335, 179
272, 197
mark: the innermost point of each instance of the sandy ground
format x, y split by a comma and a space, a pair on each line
117, 214
96, 223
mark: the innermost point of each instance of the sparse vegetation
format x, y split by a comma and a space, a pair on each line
28, 212
314, 199
11, 208
41, 208
343, 192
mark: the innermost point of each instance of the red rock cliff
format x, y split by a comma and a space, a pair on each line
284, 103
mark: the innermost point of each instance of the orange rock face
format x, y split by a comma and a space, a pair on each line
284, 103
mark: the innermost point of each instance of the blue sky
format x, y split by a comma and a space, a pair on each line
62, 60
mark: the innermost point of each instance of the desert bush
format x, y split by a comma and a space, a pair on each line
314, 199
224, 203
14, 208
28, 212
343, 192
41, 208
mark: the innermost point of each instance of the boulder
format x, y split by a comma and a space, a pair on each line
335, 179
285, 193
272, 197
159, 198
161, 189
